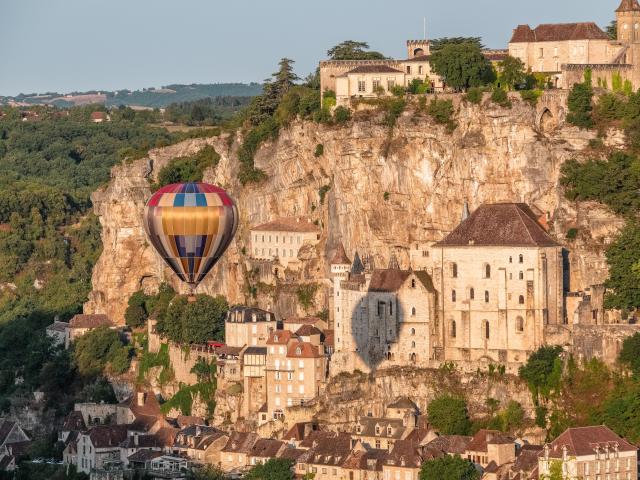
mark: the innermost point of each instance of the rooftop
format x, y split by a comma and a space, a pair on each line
558, 32
90, 321
628, 6
500, 224
340, 256
373, 69
288, 224
586, 440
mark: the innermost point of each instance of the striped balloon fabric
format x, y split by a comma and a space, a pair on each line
190, 225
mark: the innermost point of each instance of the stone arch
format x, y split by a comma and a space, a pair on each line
546, 120
417, 52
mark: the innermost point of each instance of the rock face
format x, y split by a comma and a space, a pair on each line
389, 191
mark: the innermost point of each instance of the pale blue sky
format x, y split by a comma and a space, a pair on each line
65, 45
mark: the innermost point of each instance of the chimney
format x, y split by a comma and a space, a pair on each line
141, 399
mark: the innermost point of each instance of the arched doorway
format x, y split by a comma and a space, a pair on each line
547, 122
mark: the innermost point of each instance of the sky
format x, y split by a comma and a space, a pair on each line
75, 45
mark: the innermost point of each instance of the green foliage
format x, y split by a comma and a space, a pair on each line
448, 414
341, 115
418, 87
194, 322
206, 111
208, 472
572, 234
542, 371
306, 294
624, 269
612, 30
394, 108
462, 65
511, 72
188, 169
322, 192
100, 349
319, 151
148, 360
511, 419
621, 410
352, 50
500, 97
439, 43
204, 371
530, 96
187, 394
449, 467
474, 95
616, 82
610, 107
612, 182
44, 471
630, 353
272, 469
555, 471
580, 108
136, 314
442, 112
541, 416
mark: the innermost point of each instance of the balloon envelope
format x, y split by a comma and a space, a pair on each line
190, 225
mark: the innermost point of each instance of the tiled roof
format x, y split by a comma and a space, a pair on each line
5, 430
166, 436
147, 414
585, 441
90, 321
58, 326
484, 437
279, 337
227, 350
500, 224
297, 431
368, 460
74, 421
419, 58
98, 115
303, 350
374, 69
143, 441
291, 453
340, 256
368, 427
527, 459
186, 421
387, 280
103, 436
242, 314
628, 6
288, 224
327, 448
558, 32
406, 453
307, 330
329, 338
184, 436
449, 444
405, 403
240, 442
144, 455
266, 448
303, 320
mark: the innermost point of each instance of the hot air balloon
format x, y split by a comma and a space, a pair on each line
190, 225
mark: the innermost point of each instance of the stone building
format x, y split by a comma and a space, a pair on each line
371, 78
491, 447
248, 326
564, 51
382, 317
254, 362
280, 240
590, 453
83, 323
500, 279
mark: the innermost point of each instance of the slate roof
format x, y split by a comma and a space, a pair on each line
5, 430
188, 420
374, 69
307, 330
368, 427
387, 280
144, 441
584, 441
500, 224
242, 314
485, 437
144, 455
628, 6
103, 436
240, 442
288, 224
184, 436
327, 448
90, 321
74, 421
266, 448
303, 350
558, 32
255, 351
405, 403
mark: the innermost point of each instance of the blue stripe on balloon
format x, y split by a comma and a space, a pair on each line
201, 200
179, 200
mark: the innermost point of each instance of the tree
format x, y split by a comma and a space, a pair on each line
438, 43
450, 468
208, 472
448, 414
580, 107
621, 411
555, 471
284, 78
352, 50
462, 65
630, 353
612, 30
624, 268
194, 322
136, 314
98, 349
273, 469
512, 72
542, 371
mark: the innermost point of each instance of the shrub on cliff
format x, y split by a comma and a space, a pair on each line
474, 95
449, 467
341, 115
630, 353
542, 371
188, 169
500, 97
101, 349
462, 65
624, 269
442, 112
511, 72
610, 107
530, 96
580, 108
448, 415
194, 322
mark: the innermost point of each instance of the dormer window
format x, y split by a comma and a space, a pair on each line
413, 283
298, 351
377, 430
389, 431
275, 338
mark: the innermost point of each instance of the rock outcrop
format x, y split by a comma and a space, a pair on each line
389, 191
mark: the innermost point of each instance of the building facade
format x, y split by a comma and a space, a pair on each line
281, 240
246, 326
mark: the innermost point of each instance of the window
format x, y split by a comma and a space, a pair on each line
290, 253
390, 307
376, 84
453, 295
289, 388
362, 87
301, 376
413, 283
486, 296
413, 331
521, 299
510, 259
413, 344
289, 376
472, 294
300, 363
521, 258
486, 271
519, 324
521, 275
486, 329
555, 52
284, 252
453, 329
409, 69
420, 69
391, 82
380, 308
263, 238
278, 388
276, 238
301, 390
413, 311
541, 53
454, 270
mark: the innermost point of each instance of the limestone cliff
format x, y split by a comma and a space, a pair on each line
389, 191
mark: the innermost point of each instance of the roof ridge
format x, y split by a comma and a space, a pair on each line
520, 212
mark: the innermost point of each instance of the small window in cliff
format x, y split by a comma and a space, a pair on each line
519, 324
413, 283
486, 271
510, 259
413, 311
472, 294
453, 329
413, 344
521, 259
521, 299
413, 331
521, 275
486, 329
454, 270
486, 296
453, 295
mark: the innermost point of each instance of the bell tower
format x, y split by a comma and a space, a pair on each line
628, 18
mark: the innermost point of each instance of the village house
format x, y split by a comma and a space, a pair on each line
234, 456
57, 332
326, 453
280, 240
265, 449
490, 447
99, 117
248, 326
142, 413
254, 364
83, 323
134, 443
99, 445
200, 443
14, 443
141, 460
590, 453
74, 422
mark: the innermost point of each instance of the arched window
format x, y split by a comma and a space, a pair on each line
413, 358
521, 299
454, 270
519, 324
486, 296
413, 344
453, 329
521, 275
486, 270
486, 329
413, 331
472, 294
510, 259
413, 311
521, 258
453, 295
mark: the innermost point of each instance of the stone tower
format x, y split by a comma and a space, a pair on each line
417, 48
628, 18
340, 266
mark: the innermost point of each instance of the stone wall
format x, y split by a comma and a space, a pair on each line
600, 341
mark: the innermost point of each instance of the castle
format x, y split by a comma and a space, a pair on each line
491, 292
